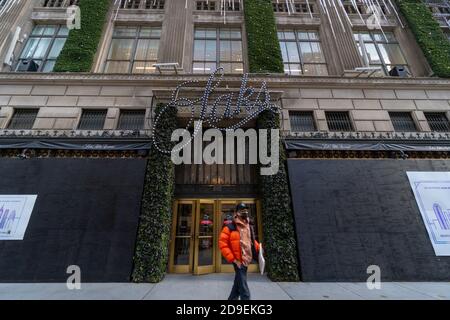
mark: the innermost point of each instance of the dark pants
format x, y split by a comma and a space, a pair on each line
240, 287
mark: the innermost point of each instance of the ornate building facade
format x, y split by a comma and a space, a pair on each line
351, 91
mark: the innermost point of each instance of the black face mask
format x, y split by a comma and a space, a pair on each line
243, 215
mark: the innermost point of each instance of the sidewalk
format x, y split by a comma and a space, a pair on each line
217, 286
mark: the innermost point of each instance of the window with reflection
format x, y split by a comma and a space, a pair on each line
302, 53
218, 48
134, 49
42, 48
380, 50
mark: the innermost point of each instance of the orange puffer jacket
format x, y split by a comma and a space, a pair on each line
230, 244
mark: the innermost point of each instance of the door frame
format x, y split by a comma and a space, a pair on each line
218, 267
198, 270
181, 268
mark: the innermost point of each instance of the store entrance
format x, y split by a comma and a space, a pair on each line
197, 224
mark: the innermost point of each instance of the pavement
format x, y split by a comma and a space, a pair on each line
217, 287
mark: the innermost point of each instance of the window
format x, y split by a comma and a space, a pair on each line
302, 121
130, 4
206, 5
338, 121
302, 53
402, 121
131, 120
23, 119
133, 50
438, 121
218, 47
142, 4
380, 50
60, 3
364, 9
92, 120
155, 4
42, 48
232, 6
298, 7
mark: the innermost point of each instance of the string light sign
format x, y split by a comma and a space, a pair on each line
242, 107
7, 5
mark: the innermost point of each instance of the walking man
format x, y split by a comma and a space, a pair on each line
238, 245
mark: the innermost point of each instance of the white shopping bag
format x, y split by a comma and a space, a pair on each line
261, 260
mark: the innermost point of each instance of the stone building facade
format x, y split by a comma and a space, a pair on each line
337, 91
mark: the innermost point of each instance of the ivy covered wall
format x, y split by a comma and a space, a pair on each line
152, 246
280, 243
81, 45
264, 54
429, 35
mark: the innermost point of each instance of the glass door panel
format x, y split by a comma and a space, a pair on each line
181, 260
205, 240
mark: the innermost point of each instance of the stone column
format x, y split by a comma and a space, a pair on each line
341, 42
174, 32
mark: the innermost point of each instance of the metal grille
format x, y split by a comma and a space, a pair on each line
302, 121
131, 120
338, 121
23, 119
92, 120
402, 121
438, 121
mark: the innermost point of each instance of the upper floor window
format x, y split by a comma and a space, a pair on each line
217, 48
438, 121
133, 50
92, 120
205, 5
232, 5
302, 53
281, 6
42, 48
338, 121
60, 3
131, 120
380, 50
23, 119
361, 8
142, 4
214, 5
302, 121
403, 121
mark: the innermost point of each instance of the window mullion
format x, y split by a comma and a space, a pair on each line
50, 46
133, 56
299, 51
383, 63
218, 48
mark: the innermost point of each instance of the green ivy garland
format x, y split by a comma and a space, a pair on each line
81, 45
264, 53
152, 247
280, 243
429, 35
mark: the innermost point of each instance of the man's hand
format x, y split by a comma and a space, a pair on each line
236, 262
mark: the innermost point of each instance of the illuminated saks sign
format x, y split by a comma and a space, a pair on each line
248, 100
244, 107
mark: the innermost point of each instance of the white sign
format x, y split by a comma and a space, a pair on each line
15, 212
432, 192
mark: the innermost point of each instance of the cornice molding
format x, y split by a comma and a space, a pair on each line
273, 80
